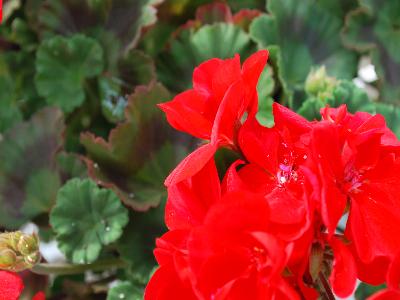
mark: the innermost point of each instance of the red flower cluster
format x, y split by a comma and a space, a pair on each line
269, 230
11, 286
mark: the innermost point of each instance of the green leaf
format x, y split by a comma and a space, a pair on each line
191, 47
392, 116
373, 29
29, 176
323, 90
125, 291
63, 65
132, 69
124, 19
307, 35
10, 113
136, 151
85, 218
138, 242
365, 290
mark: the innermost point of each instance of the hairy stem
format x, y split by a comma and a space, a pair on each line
324, 287
68, 269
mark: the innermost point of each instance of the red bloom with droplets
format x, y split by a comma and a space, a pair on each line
270, 230
222, 249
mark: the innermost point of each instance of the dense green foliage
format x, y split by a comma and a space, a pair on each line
84, 149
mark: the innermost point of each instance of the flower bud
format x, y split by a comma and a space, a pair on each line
27, 244
7, 258
18, 251
319, 83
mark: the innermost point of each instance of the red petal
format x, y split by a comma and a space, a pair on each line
171, 242
393, 276
192, 164
260, 144
251, 71
239, 211
11, 286
229, 114
374, 273
203, 75
374, 219
327, 155
344, 275
227, 73
385, 295
253, 66
189, 112
286, 118
166, 285
39, 296
189, 200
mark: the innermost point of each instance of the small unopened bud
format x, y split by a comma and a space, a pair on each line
27, 244
319, 83
7, 258
18, 251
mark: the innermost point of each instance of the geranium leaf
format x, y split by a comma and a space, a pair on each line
373, 28
392, 116
28, 175
63, 65
191, 47
342, 92
138, 241
125, 291
85, 218
134, 148
130, 70
124, 19
10, 113
307, 34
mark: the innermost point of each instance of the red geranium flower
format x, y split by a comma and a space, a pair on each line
11, 286
356, 158
222, 92
219, 247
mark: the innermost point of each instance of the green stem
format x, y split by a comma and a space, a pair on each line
68, 269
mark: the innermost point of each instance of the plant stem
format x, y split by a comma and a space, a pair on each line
68, 269
324, 286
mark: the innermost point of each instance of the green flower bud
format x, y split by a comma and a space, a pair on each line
18, 251
319, 84
27, 244
7, 258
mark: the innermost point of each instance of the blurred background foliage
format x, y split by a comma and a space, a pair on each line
83, 148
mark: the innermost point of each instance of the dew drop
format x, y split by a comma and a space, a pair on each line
305, 156
131, 195
108, 228
96, 165
121, 296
